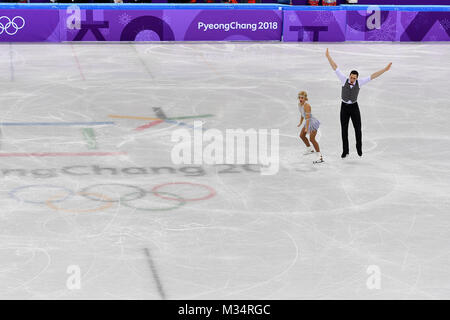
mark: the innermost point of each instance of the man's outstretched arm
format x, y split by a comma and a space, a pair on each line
379, 73
330, 60
338, 72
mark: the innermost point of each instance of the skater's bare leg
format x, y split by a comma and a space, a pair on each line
312, 138
303, 137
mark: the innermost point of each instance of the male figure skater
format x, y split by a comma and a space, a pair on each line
349, 104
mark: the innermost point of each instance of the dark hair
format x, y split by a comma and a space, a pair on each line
354, 72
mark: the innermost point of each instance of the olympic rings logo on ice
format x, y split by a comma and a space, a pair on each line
109, 194
11, 26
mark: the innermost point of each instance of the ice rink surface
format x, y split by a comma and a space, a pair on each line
84, 192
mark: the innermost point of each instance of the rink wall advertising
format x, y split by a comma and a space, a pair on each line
424, 26
222, 22
366, 23
25, 25
377, 23
171, 25
371, 25
314, 25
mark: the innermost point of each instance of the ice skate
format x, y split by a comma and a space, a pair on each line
319, 159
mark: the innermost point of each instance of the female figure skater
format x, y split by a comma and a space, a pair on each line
311, 126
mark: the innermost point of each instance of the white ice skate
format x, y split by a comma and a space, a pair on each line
319, 160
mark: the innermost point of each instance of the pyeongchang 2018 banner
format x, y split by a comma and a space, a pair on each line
25, 25
170, 25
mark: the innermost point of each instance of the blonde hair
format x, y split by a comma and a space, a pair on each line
304, 94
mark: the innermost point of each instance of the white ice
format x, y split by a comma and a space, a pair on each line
308, 232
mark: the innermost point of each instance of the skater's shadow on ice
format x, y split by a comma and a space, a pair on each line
294, 160
356, 162
302, 167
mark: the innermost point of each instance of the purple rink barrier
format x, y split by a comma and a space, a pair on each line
366, 23
423, 26
25, 25
314, 24
370, 25
398, 23
172, 25
221, 22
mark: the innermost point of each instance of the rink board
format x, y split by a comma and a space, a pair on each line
366, 23
222, 22
174, 25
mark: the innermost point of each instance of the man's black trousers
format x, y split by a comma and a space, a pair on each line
350, 111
